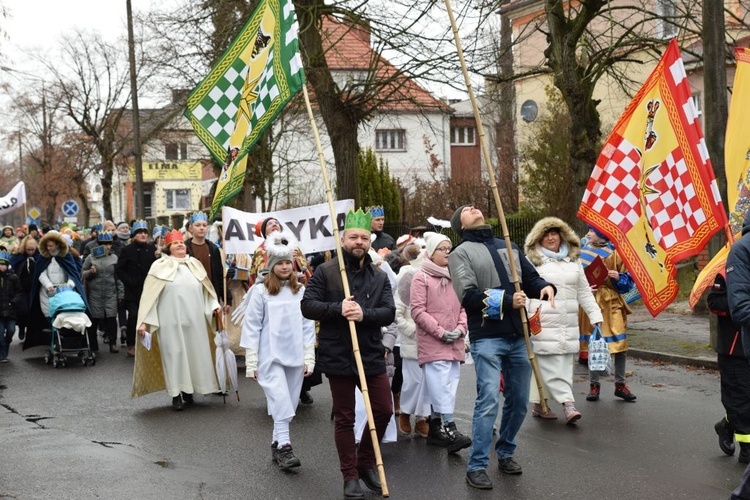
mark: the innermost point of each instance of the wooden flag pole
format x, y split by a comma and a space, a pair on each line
345, 281
498, 203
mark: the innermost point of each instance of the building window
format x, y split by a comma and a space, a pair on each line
697, 103
178, 199
390, 140
463, 136
176, 151
668, 18
148, 189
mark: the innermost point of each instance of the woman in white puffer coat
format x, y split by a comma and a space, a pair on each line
554, 249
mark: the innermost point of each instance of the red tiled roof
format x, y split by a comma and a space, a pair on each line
348, 50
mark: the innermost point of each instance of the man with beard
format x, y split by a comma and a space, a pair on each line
371, 307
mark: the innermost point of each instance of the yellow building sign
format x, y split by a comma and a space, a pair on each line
168, 170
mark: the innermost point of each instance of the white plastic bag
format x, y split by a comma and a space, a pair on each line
599, 357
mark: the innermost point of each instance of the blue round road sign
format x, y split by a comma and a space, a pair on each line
70, 208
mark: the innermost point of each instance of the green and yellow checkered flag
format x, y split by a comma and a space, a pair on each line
251, 84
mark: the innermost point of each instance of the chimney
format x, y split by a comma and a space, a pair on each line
359, 26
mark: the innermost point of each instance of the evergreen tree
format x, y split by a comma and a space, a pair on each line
377, 187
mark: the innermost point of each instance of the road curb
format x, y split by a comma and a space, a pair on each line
711, 364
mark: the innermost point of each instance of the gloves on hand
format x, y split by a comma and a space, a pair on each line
309, 359
452, 336
251, 362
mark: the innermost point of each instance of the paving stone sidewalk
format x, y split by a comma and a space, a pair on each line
677, 335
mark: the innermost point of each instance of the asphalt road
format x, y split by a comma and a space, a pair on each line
76, 433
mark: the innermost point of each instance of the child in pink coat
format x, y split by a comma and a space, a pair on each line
441, 329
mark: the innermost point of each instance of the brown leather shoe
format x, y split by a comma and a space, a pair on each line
130, 352
422, 428
404, 424
536, 411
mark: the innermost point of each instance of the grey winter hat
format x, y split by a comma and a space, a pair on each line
456, 221
279, 247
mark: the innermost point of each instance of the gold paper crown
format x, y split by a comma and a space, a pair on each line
357, 220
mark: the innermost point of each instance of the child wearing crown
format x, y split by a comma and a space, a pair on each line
279, 342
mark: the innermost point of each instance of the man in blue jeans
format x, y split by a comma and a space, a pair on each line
480, 269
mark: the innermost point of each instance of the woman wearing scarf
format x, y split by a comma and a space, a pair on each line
441, 330
174, 315
23, 263
554, 249
55, 267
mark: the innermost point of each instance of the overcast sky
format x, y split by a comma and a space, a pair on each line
38, 25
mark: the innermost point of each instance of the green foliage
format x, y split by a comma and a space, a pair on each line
376, 186
546, 183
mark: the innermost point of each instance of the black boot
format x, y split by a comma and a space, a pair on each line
437, 435
744, 457
726, 436
457, 440
177, 403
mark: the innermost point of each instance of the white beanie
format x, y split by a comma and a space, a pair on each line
279, 247
433, 240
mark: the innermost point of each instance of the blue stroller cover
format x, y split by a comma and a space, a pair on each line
65, 300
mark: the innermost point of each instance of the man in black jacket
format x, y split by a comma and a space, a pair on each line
735, 376
382, 240
133, 265
371, 307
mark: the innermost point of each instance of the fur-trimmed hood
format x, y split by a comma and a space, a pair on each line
56, 237
566, 233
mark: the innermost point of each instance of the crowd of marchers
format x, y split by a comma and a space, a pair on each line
420, 307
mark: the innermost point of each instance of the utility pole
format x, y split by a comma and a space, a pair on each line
715, 108
140, 199
20, 157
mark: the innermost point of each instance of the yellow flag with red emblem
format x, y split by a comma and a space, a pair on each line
653, 191
737, 168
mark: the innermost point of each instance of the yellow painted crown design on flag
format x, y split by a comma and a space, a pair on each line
357, 220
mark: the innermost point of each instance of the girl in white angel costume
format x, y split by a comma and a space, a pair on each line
279, 342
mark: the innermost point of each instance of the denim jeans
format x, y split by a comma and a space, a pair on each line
7, 330
491, 356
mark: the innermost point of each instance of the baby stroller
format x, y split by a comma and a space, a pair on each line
67, 312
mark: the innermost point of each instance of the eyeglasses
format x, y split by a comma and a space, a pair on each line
443, 249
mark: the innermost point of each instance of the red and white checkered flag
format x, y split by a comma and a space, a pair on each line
614, 188
653, 191
676, 213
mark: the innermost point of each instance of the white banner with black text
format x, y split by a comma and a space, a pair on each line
311, 226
